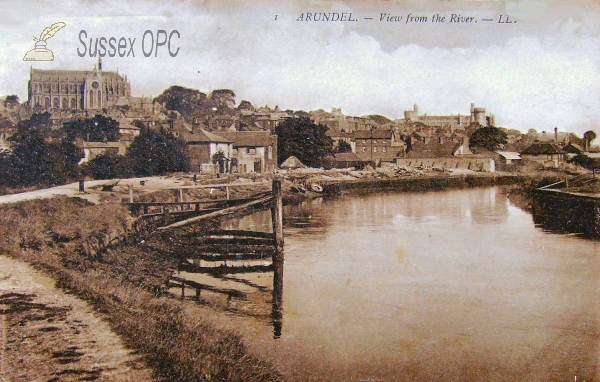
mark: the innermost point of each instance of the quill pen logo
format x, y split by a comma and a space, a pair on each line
40, 52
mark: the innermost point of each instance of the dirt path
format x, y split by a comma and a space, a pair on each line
48, 335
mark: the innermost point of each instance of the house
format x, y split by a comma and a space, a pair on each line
378, 146
548, 154
506, 160
573, 149
93, 149
338, 136
346, 160
252, 151
128, 132
507, 157
204, 146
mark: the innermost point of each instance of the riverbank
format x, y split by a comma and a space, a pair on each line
125, 282
125, 285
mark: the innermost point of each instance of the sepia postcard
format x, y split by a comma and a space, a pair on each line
421, 174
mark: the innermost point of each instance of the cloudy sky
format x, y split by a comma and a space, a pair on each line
540, 71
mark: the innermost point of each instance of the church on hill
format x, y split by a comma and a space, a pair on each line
91, 90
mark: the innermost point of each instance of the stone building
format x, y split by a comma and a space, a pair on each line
378, 146
477, 114
77, 89
253, 151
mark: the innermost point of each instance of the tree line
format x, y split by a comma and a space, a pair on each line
43, 156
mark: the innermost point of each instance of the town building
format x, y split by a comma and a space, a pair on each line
93, 149
477, 115
77, 89
378, 146
203, 147
549, 155
252, 151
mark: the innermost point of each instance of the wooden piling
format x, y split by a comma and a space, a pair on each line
130, 194
180, 195
182, 289
277, 220
198, 294
165, 215
227, 191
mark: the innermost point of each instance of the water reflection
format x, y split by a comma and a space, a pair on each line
453, 285
564, 215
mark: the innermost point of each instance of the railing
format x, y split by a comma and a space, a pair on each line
576, 181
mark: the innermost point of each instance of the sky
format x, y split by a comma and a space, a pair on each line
540, 70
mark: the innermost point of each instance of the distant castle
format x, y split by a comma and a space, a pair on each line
453, 121
77, 89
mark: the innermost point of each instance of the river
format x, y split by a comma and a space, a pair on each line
432, 286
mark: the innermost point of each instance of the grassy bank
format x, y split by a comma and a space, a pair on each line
126, 285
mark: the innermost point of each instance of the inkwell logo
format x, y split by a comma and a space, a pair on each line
40, 52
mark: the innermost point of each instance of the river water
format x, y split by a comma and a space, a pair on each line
455, 285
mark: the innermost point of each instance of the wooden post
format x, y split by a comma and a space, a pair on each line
130, 194
180, 195
277, 213
166, 215
198, 294
182, 289
145, 209
81, 185
277, 220
227, 191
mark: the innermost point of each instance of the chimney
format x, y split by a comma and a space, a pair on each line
556, 134
195, 127
465, 145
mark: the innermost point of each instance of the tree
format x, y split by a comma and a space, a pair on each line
245, 105
109, 166
156, 152
97, 129
11, 100
223, 100
588, 137
489, 138
219, 159
344, 147
34, 161
184, 100
585, 161
304, 139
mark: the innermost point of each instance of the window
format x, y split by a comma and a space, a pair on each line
270, 152
252, 151
235, 151
375, 149
364, 149
384, 149
364, 141
374, 141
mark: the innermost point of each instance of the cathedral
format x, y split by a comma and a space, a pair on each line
77, 89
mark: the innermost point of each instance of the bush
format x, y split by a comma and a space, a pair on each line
110, 166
